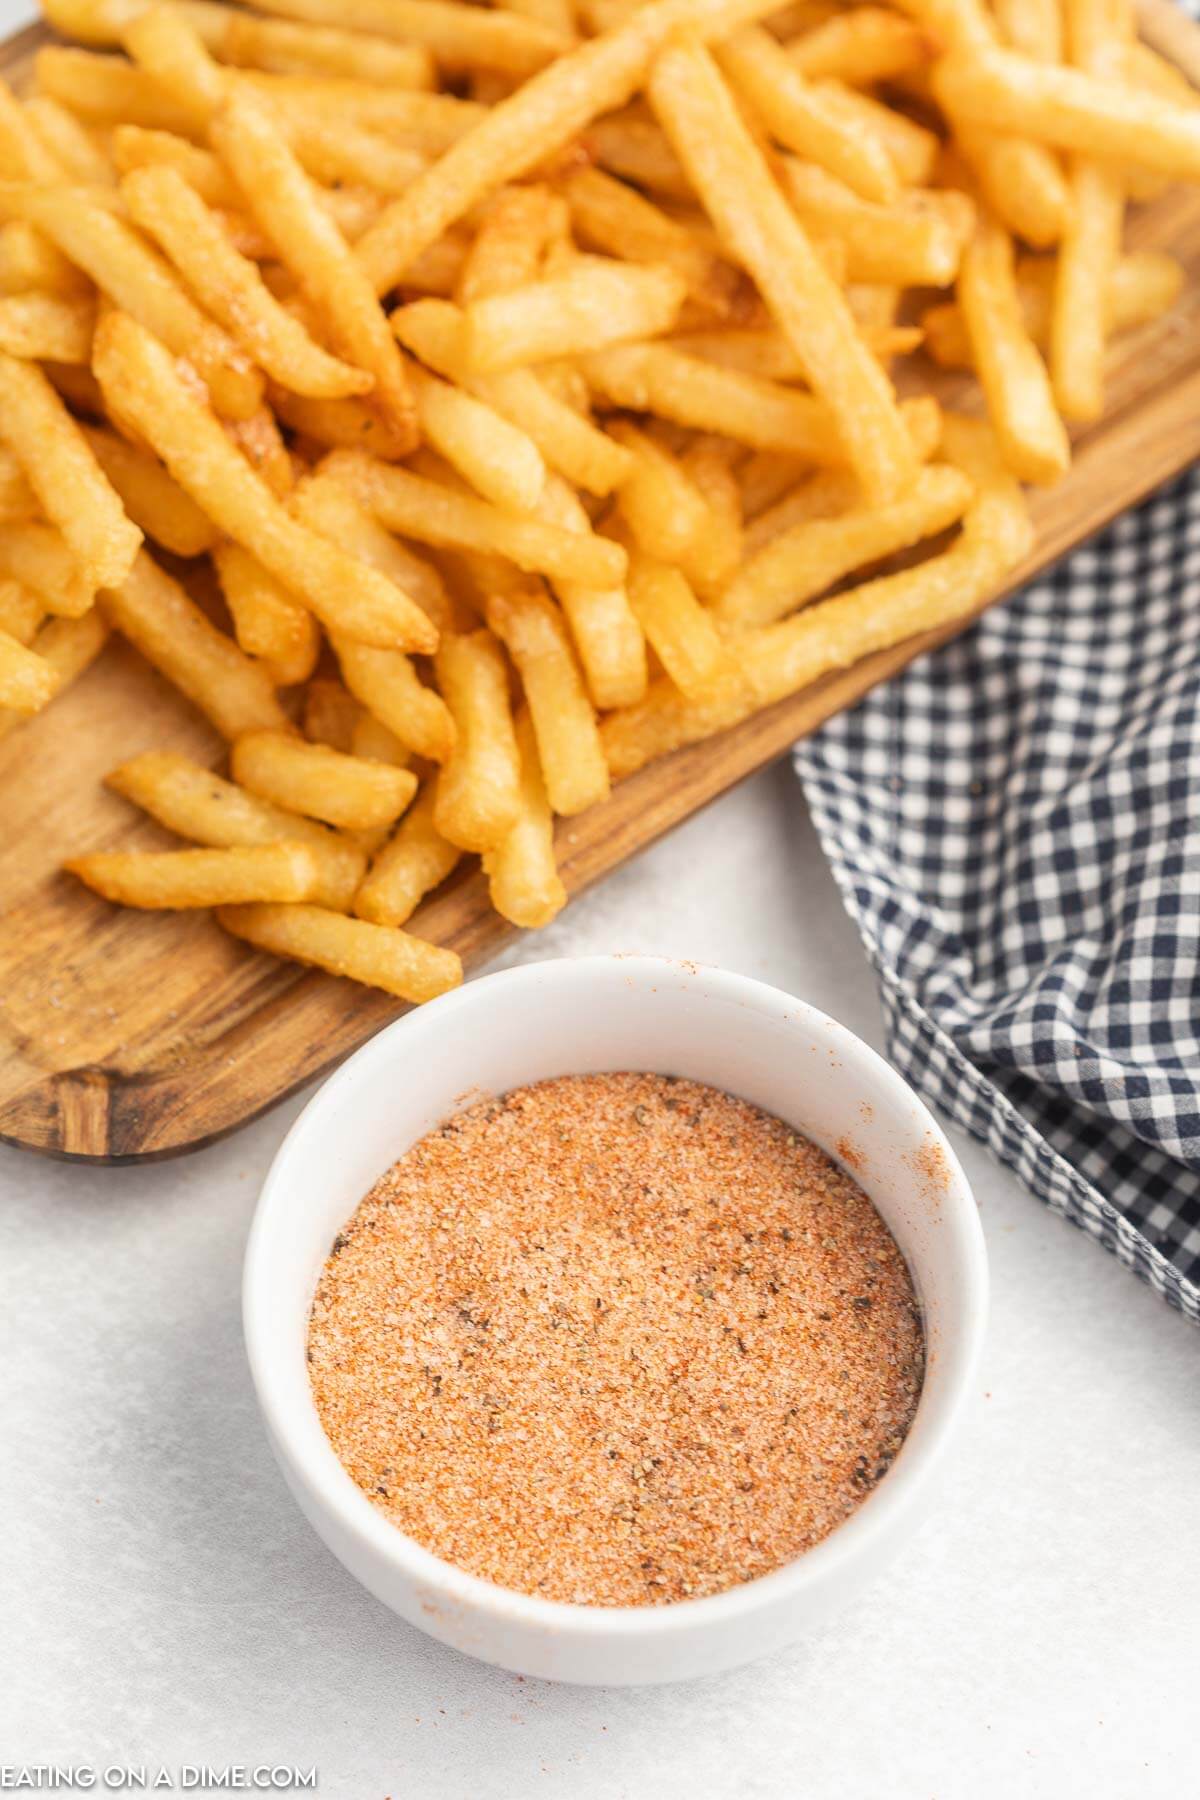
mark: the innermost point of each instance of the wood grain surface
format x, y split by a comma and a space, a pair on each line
129, 1035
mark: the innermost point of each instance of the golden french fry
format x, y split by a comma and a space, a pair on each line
631, 145
507, 251
532, 630
478, 789
765, 235
21, 611
415, 860
79, 155
1011, 372
153, 499
1034, 27
281, 199
194, 803
331, 508
319, 782
37, 556
30, 262
668, 514
432, 330
532, 125
141, 284
434, 514
677, 627
387, 684
456, 35
498, 459
107, 90
798, 116
862, 46
1071, 110
171, 880
17, 498
47, 327
340, 424
373, 741
143, 387
230, 287
171, 632
267, 621
812, 556
379, 957
615, 218
915, 242
67, 647
72, 489
912, 148
27, 681
523, 879
24, 156
605, 632
1144, 285
594, 304
778, 660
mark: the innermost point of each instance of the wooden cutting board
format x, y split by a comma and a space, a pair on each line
126, 1035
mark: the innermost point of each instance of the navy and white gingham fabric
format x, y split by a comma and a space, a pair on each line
1014, 824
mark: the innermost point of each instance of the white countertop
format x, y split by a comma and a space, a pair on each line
165, 1603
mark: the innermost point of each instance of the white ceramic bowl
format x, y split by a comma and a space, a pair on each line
575, 1017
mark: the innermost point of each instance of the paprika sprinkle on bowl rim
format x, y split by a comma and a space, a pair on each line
580, 1016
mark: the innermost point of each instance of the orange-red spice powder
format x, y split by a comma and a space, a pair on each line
617, 1339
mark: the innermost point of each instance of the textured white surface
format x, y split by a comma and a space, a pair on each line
164, 1601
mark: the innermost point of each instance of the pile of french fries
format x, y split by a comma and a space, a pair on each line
524, 379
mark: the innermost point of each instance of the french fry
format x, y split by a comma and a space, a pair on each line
106, 90
141, 284
173, 634
532, 125
523, 880
281, 199
433, 514
194, 803
799, 118
916, 242
47, 327
709, 464
331, 508
705, 396
606, 634
67, 647
631, 145
23, 154
1034, 27
532, 630
387, 684
677, 627
172, 880
1144, 285
339, 424
153, 499
912, 148
595, 304
79, 155
668, 515
499, 460
267, 621
230, 287
507, 251
402, 965
21, 611
319, 782
1011, 372
70, 486
331, 714
30, 262
373, 741
432, 330
862, 46
615, 218
167, 47
143, 387
813, 556
1099, 31
456, 35
778, 660
764, 234
1072, 110
478, 789
27, 681
17, 498
37, 556
415, 860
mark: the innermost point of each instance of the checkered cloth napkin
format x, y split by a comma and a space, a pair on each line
1014, 824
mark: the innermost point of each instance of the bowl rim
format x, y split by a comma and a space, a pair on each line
310, 1462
